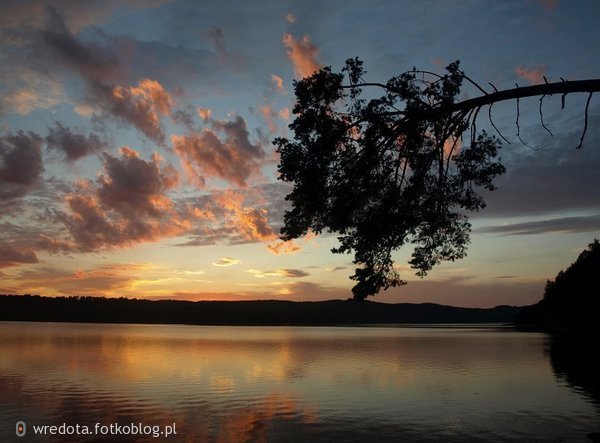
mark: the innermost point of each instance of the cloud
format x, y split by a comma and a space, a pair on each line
11, 256
229, 216
216, 35
549, 180
204, 113
302, 54
284, 113
278, 82
94, 63
290, 18
588, 223
38, 92
291, 273
128, 205
533, 76
21, 164
73, 145
250, 223
269, 115
226, 261
231, 157
107, 280
77, 13
102, 68
140, 105
283, 247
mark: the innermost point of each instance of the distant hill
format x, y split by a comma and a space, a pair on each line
571, 301
260, 312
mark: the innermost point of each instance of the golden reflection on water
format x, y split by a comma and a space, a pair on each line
236, 384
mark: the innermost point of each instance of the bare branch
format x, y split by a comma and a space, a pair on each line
585, 125
494, 125
542, 116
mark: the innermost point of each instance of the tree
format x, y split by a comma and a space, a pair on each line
384, 171
571, 300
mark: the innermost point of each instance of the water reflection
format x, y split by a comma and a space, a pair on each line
293, 384
574, 361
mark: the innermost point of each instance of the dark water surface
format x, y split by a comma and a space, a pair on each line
235, 384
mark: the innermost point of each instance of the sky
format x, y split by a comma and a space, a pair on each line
136, 154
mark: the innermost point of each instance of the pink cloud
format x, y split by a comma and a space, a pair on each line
129, 204
204, 113
302, 54
140, 105
278, 82
231, 156
283, 247
13, 256
533, 76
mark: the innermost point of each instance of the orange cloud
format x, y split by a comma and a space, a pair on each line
302, 54
204, 113
141, 106
284, 113
278, 82
533, 76
251, 223
290, 18
108, 280
12, 256
129, 205
283, 247
269, 116
232, 157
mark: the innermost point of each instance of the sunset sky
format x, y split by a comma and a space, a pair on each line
136, 156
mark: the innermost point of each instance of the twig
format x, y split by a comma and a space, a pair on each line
494, 126
585, 125
542, 117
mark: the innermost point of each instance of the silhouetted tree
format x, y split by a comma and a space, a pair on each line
384, 171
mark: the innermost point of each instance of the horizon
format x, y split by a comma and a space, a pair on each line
136, 155
373, 300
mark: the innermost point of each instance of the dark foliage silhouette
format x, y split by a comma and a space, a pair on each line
387, 170
571, 300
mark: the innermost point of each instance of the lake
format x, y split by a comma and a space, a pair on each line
236, 384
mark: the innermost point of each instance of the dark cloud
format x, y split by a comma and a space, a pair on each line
12, 256
77, 13
555, 178
141, 106
129, 205
294, 273
73, 145
585, 223
21, 164
290, 273
231, 157
135, 187
102, 69
184, 118
94, 63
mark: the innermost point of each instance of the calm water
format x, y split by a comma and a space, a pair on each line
235, 384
